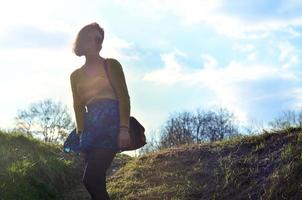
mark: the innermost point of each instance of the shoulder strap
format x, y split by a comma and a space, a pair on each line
109, 79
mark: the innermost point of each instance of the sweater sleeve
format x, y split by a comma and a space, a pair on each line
79, 107
119, 83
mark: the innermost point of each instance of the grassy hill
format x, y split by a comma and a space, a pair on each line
268, 166
33, 170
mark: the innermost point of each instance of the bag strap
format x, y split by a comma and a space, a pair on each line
109, 79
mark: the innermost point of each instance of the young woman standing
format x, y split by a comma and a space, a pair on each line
102, 112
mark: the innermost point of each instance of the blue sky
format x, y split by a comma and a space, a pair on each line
177, 55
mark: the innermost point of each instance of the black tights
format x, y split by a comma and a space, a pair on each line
97, 162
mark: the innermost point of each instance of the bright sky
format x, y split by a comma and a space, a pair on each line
177, 55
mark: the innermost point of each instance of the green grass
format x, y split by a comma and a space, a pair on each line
30, 169
34, 170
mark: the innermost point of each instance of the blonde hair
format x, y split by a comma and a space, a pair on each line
91, 31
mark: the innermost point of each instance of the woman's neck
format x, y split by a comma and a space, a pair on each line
93, 59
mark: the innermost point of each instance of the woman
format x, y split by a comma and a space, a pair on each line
102, 109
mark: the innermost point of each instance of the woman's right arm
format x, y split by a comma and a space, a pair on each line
79, 107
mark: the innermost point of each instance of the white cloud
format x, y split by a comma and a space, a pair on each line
209, 61
191, 11
245, 48
236, 27
172, 69
114, 47
252, 56
32, 74
293, 32
288, 55
224, 81
49, 14
213, 14
248, 49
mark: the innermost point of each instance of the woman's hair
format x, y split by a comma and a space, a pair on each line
89, 32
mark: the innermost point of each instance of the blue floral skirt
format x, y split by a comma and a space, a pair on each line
101, 128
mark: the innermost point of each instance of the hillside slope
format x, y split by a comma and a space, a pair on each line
33, 170
268, 166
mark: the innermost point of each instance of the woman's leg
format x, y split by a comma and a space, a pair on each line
94, 177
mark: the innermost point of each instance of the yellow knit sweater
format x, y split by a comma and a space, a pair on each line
86, 88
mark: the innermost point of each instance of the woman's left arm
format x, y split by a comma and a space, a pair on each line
120, 85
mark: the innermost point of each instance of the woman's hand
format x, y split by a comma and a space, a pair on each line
124, 137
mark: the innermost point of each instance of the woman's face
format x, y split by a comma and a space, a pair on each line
86, 45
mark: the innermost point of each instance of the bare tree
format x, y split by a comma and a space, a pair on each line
287, 119
220, 124
200, 124
45, 118
186, 127
178, 130
24, 122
